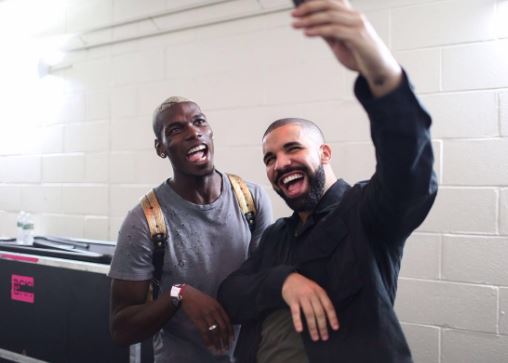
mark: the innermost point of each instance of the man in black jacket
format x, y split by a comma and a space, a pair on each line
321, 286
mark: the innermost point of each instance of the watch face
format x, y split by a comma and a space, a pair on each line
176, 298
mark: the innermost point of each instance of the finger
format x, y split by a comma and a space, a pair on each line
317, 19
297, 319
320, 315
213, 332
343, 33
309, 7
227, 324
310, 318
223, 329
330, 311
203, 330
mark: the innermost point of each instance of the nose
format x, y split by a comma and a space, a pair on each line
282, 161
193, 132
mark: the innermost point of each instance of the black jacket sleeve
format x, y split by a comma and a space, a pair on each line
403, 188
256, 286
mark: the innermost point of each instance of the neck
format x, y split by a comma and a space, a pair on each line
198, 189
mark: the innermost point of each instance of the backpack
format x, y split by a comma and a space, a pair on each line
159, 232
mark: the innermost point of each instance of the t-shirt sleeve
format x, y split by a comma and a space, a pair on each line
264, 214
132, 259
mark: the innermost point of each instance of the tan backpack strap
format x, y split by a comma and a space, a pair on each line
153, 214
244, 199
158, 235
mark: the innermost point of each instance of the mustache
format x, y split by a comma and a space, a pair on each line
289, 169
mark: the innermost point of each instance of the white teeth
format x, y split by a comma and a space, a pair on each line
291, 177
196, 149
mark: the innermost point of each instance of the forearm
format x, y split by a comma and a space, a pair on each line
135, 323
245, 296
400, 132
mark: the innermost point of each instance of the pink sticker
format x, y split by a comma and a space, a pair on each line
19, 282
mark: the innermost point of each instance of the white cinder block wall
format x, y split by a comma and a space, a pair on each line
94, 158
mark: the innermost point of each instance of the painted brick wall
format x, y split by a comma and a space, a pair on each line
94, 158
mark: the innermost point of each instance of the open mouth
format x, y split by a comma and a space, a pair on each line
197, 154
292, 183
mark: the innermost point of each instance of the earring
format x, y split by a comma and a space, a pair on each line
163, 155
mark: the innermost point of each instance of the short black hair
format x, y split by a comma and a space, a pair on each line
303, 123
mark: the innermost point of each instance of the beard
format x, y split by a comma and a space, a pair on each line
309, 200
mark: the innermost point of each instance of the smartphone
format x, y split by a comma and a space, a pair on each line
298, 2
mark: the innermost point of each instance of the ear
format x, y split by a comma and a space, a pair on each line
158, 147
325, 153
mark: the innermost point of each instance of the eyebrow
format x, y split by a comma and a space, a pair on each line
285, 146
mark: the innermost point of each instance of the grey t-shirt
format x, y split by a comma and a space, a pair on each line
205, 244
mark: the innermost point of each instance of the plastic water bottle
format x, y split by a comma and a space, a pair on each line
20, 222
28, 230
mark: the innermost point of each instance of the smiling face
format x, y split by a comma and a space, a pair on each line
186, 137
294, 158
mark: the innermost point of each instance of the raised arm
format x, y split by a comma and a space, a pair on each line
403, 188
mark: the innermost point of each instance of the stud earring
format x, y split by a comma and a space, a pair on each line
163, 155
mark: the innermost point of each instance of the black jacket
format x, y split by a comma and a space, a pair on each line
351, 245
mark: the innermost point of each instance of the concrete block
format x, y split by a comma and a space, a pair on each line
23, 169
143, 66
503, 112
151, 95
83, 15
423, 67
10, 198
72, 108
471, 347
52, 139
41, 198
132, 134
463, 210
503, 215
475, 259
422, 257
221, 90
8, 224
97, 105
93, 74
463, 115
96, 168
96, 228
123, 102
475, 162
476, 66
244, 161
90, 136
205, 14
132, 9
501, 16
353, 161
114, 226
124, 198
295, 83
445, 304
60, 225
423, 342
85, 200
444, 22
63, 168
142, 167
340, 121
503, 311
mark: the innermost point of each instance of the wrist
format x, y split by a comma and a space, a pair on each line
176, 293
